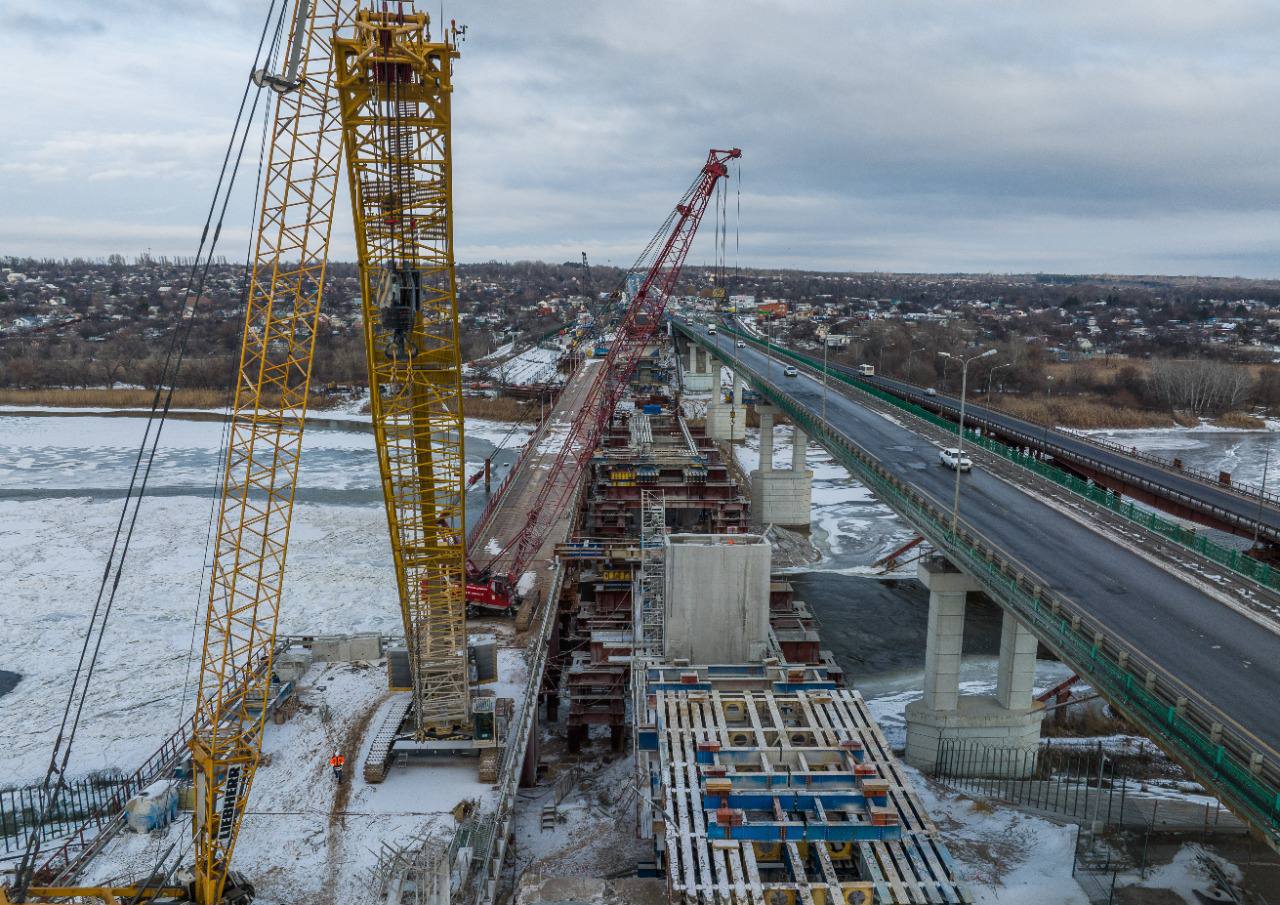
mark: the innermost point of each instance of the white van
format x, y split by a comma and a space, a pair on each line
867, 370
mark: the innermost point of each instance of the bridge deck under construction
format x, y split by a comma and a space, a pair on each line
508, 515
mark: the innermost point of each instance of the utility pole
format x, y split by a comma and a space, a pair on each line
964, 386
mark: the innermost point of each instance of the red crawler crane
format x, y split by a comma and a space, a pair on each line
661, 262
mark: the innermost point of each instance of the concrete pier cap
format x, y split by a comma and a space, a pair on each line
987, 726
717, 597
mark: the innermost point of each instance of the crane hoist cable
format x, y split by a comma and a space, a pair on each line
165, 866
166, 384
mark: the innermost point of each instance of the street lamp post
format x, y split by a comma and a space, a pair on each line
910, 358
991, 374
768, 335
826, 344
1262, 495
964, 386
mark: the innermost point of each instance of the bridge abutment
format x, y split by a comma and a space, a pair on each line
1009, 719
781, 496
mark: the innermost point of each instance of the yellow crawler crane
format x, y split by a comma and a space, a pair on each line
394, 86
377, 84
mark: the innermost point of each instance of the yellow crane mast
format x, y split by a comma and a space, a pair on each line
265, 446
395, 86
375, 84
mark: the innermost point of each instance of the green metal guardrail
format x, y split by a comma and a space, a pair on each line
1155, 701
1235, 560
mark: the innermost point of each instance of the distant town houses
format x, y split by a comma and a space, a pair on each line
1075, 315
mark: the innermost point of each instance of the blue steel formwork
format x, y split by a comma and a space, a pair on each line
771, 783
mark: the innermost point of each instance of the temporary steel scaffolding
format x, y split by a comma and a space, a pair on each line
650, 603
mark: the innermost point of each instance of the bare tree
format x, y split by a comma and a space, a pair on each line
1200, 386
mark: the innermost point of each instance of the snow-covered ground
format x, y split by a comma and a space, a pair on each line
61, 482
593, 835
1007, 857
536, 365
307, 839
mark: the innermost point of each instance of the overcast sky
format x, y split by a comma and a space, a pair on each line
1082, 136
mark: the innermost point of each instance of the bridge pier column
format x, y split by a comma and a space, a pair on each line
799, 446
781, 496
766, 414
971, 734
725, 420
1016, 678
698, 376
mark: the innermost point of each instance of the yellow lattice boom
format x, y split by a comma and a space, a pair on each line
264, 448
395, 84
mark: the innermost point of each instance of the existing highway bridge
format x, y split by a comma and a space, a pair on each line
1207, 499
1199, 674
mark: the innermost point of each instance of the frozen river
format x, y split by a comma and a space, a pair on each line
62, 479
61, 482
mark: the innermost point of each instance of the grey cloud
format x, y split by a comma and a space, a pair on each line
893, 134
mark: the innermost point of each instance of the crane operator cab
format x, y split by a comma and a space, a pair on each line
399, 301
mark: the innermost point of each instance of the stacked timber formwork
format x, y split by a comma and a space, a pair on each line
769, 783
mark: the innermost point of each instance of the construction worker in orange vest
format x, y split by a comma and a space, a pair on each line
336, 762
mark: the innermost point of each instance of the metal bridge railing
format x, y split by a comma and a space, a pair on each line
1226, 757
1235, 560
1252, 492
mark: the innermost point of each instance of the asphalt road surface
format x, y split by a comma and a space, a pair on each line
1228, 658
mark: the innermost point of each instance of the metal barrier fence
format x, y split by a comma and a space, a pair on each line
1227, 557
980, 418
87, 838
1083, 783
1221, 753
1249, 491
95, 798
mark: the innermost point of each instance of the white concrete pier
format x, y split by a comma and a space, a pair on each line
699, 373
1010, 719
781, 496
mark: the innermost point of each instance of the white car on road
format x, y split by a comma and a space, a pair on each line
790, 371
953, 458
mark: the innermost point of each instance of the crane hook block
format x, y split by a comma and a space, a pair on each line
399, 300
